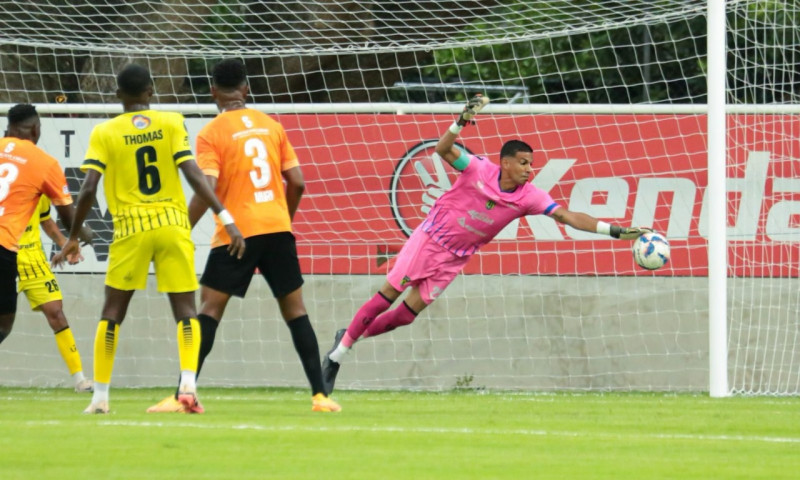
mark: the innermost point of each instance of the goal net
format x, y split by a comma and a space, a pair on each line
610, 94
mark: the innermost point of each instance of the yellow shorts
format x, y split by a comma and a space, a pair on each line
40, 289
171, 250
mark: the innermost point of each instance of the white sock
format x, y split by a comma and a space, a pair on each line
188, 379
78, 377
100, 392
338, 354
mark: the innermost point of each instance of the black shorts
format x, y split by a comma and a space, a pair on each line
8, 281
274, 254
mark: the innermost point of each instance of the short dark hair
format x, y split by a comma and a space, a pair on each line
21, 112
511, 147
134, 79
230, 73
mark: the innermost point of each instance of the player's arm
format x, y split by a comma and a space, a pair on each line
50, 228
197, 207
295, 186
73, 217
446, 146
588, 223
86, 235
203, 190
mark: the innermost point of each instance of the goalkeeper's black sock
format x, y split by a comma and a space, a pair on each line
305, 343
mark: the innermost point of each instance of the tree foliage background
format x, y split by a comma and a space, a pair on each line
357, 51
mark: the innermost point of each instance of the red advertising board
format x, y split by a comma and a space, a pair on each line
370, 178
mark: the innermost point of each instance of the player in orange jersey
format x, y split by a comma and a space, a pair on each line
26, 172
246, 155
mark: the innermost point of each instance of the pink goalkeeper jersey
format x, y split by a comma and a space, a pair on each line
475, 210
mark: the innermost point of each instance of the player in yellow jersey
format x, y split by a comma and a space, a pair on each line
140, 152
246, 156
39, 284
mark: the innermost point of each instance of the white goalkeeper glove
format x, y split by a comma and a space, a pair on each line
628, 233
472, 108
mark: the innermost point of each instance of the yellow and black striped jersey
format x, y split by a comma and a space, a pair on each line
138, 153
31, 259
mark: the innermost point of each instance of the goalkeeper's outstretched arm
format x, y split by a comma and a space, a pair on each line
588, 223
446, 147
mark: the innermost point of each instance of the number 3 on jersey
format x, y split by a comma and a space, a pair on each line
261, 175
8, 173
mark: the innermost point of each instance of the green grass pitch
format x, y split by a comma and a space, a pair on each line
255, 433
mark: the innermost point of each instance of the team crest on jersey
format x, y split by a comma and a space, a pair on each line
490, 204
140, 121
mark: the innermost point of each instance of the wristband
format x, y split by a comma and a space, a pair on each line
225, 217
604, 228
455, 128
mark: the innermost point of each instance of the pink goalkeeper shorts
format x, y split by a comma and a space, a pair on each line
424, 263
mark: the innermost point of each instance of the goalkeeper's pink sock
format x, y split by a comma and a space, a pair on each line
386, 322
364, 316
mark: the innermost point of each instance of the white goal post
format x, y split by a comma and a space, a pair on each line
629, 105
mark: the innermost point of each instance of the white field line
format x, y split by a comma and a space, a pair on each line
446, 431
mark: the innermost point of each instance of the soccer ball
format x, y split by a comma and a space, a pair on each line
651, 251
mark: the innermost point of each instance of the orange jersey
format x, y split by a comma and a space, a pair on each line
26, 172
248, 151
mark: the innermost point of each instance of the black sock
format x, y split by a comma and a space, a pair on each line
305, 343
208, 331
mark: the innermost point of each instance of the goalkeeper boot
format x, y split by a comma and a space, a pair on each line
97, 407
321, 403
330, 368
84, 386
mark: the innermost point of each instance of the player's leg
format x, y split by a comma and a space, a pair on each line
188, 332
44, 294
422, 265
404, 274
65, 341
304, 338
8, 291
128, 262
280, 267
344, 339
212, 307
173, 260
305, 343
223, 277
6, 324
403, 314
106, 337
379, 303
431, 271
399, 278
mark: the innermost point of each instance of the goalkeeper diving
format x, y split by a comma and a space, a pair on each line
484, 199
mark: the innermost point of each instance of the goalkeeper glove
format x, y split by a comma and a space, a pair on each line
472, 108
628, 233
